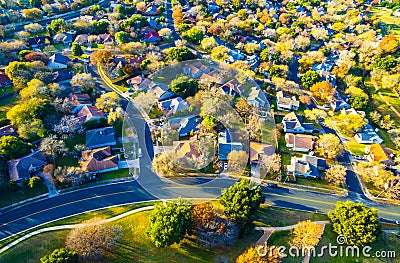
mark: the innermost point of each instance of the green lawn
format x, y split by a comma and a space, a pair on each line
356, 148
273, 216
74, 140
283, 238
317, 183
114, 174
66, 161
135, 246
8, 197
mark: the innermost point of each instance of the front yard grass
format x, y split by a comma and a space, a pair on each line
8, 197
121, 173
356, 148
66, 161
277, 217
318, 182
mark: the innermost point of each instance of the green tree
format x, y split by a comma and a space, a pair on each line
309, 78
108, 102
35, 3
100, 27
358, 223
184, 86
76, 49
11, 147
57, 25
170, 223
329, 146
208, 123
180, 54
121, 37
347, 124
194, 35
60, 255
241, 202
387, 63
34, 182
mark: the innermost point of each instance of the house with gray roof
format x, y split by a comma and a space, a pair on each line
368, 135
58, 61
225, 149
293, 123
307, 166
286, 103
26, 166
185, 125
101, 137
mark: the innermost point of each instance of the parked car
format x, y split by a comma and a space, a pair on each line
272, 185
140, 154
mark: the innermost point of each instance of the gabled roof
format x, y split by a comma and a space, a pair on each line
300, 141
20, 168
78, 99
88, 112
58, 58
4, 78
258, 149
226, 148
98, 159
379, 153
102, 136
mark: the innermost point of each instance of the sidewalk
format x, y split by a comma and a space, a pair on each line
64, 227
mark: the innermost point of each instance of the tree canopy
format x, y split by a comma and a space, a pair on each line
170, 223
241, 202
184, 86
358, 223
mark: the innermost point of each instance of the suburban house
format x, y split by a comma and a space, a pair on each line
99, 160
173, 106
224, 149
368, 134
380, 154
185, 125
212, 77
105, 39
63, 38
78, 101
258, 150
62, 76
26, 166
233, 87
152, 36
5, 81
101, 137
162, 92
185, 151
58, 61
292, 123
8, 130
82, 39
300, 142
306, 166
286, 103
339, 104
195, 70
35, 42
135, 81
257, 97
90, 113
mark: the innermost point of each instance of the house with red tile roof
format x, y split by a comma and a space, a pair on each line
99, 160
378, 153
300, 142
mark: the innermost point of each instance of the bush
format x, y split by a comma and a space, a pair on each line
60, 255
34, 182
13, 185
